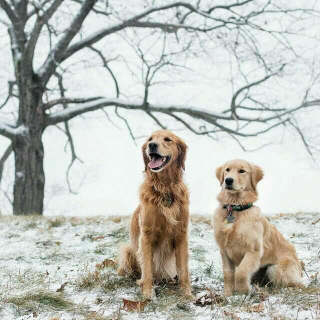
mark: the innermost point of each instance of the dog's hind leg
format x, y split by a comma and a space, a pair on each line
127, 260
287, 272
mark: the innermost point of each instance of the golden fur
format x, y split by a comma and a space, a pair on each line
158, 246
251, 242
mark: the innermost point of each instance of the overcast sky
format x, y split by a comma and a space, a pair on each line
107, 181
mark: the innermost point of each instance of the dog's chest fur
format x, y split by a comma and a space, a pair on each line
233, 238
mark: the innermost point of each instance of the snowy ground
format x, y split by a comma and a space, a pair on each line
51, 268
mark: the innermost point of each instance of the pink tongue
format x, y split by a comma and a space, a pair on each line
155, 163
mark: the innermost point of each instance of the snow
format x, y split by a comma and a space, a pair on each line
43, 253
19, 175
9, 129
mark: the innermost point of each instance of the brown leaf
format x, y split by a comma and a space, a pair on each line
129, 305
257, 308
233, 316
314, 222
61, 289
97, 238
208, 299
263, 295
35, 315
98, 301
105, 264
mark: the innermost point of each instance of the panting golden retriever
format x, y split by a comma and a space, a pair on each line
247, 240
158, 246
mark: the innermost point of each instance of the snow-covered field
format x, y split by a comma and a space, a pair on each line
52, 268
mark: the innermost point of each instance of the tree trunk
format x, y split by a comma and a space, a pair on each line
28, 149
29, 174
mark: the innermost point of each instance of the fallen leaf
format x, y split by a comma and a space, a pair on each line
257, 308
263, 295
35, 315
61, 289
233, 316
98, 301
97, 238
314, 222
105, 264
208, 299
129, 305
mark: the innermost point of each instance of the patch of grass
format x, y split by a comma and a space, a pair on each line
100, 249
120, 235
32, 301
196, 218
106, 279
93, 315
31, 225
198, 253
24, 279
55, 223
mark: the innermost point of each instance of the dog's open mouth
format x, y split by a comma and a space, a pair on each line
157, 162
229, 188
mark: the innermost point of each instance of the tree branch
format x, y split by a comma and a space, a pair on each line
67, 131
135, 22
4, 158
10, 13
55, 56
66, 100
196, 113
34, 36
105, 64
11, 132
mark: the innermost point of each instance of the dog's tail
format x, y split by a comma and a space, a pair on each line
127, 260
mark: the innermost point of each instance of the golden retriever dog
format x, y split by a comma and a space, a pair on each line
248, 242
158, 246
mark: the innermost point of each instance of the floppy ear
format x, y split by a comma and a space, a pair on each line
219, 174
256, 175
144, 155
182, 148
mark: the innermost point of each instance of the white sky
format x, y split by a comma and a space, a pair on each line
112, 169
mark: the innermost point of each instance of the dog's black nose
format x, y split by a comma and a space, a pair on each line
229, 181
153, 146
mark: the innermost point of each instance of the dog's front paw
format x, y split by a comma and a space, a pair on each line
147, 294
228, 292
243, 288
187, 294
121, 271
242, 283
140, 282
146, 288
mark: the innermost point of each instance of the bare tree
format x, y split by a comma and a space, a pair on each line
48, 37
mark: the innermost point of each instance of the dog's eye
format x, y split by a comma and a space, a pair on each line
167, 139
227, 169
150, 139
241, 171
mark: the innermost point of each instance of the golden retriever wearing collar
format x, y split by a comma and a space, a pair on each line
247, 241
158, 246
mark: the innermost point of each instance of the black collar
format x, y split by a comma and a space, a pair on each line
234, 207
